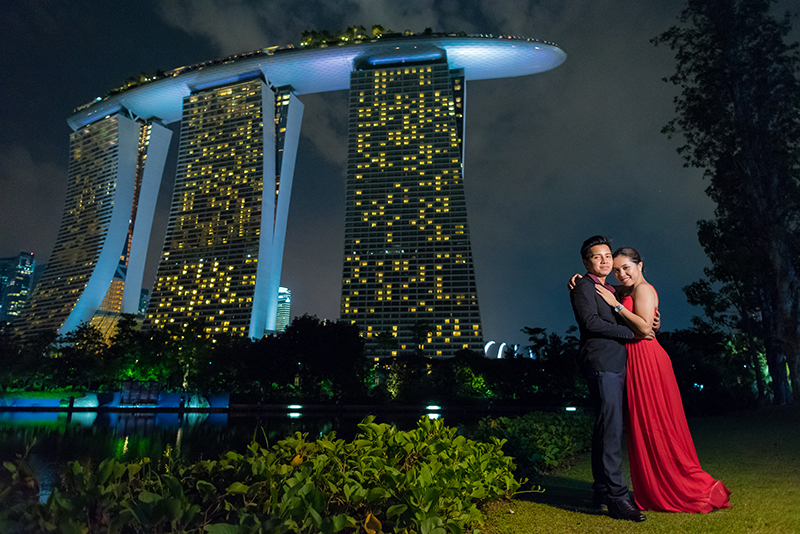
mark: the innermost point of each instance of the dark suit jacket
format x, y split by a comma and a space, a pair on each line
602, 346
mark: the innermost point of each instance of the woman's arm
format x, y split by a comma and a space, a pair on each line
640, 320
585, 306
644, 309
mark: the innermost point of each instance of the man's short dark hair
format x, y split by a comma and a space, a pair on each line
586, 248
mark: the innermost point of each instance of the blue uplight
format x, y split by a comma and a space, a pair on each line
238, 78
404, 59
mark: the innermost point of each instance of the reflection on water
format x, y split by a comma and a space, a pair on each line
56, 438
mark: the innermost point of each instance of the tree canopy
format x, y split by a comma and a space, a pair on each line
738, 110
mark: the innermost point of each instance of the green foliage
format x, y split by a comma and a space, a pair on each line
323, 361
428, 480
716, 373
327, 356
738, 111
353, 34
62, 393
550, 378
539, 441
18, 486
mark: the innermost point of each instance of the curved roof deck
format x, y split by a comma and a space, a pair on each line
328, 69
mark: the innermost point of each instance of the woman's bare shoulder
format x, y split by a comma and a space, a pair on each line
644, 291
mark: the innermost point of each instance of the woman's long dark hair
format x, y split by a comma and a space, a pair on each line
628, 252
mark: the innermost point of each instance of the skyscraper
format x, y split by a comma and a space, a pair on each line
408, 267
284, 309
224, 246
408, 263
115, 169
144, 302
16, 277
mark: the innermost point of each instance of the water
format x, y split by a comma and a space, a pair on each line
53, 439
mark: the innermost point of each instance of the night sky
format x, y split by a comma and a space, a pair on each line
551, 159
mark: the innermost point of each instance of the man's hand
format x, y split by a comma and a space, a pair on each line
571, 283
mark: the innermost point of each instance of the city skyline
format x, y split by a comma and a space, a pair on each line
576, 151
240, 120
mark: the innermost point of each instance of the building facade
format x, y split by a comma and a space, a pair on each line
144, 302
224, 245
284, 309
113, 163
408, 269
16, 280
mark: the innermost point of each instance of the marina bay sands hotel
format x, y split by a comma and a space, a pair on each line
407, 261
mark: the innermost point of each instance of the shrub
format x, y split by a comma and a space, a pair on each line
427, 480
539, 441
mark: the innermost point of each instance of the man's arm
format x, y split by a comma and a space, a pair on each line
584, 302
656, 319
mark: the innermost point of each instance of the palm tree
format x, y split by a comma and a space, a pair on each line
386, 341
420, 331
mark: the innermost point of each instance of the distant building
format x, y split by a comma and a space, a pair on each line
16, 281
284, 309
144, 301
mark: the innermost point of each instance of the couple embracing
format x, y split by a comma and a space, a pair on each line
617, 335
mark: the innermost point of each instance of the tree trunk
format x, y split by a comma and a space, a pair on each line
756, 363
776, 361
795, 376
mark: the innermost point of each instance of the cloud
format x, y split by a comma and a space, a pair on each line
30, 190
550, 158
232, 27
325, 118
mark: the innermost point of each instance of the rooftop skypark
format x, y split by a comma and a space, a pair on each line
322, 63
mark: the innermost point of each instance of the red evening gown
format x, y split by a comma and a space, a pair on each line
665, 472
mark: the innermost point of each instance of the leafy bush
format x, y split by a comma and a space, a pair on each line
539, 441
62, 393
428, 480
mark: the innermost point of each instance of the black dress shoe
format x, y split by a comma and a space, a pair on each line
624, 509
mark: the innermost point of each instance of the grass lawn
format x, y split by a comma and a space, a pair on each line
756, 454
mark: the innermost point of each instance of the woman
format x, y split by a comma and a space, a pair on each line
665, 472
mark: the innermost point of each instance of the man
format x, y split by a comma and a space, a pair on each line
602, 360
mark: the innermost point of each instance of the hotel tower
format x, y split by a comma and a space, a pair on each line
224, 246
408, 271
97, 264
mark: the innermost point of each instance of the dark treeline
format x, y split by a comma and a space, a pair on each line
737, 77
322, 361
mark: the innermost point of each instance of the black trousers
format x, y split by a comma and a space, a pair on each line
607, 391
